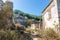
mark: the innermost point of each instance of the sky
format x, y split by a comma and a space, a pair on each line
34, 7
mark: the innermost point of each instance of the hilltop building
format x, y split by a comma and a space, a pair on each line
51, 15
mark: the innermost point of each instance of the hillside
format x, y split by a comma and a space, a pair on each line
29, 16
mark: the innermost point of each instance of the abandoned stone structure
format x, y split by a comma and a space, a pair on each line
36, 25
51, 15
7, 6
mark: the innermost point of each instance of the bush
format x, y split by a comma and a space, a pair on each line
13, 35
8, 35
50, 34
29, 22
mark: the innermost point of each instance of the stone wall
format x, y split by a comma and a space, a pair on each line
50, 16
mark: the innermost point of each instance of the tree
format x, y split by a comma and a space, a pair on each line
29, 22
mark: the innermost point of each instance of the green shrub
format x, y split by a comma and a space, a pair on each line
13, 35
8, 35
50, 34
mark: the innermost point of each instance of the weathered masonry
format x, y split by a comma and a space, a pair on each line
51, 15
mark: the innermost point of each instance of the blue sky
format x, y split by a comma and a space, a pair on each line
34, 7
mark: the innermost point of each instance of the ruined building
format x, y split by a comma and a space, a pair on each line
51, 15
7, 8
